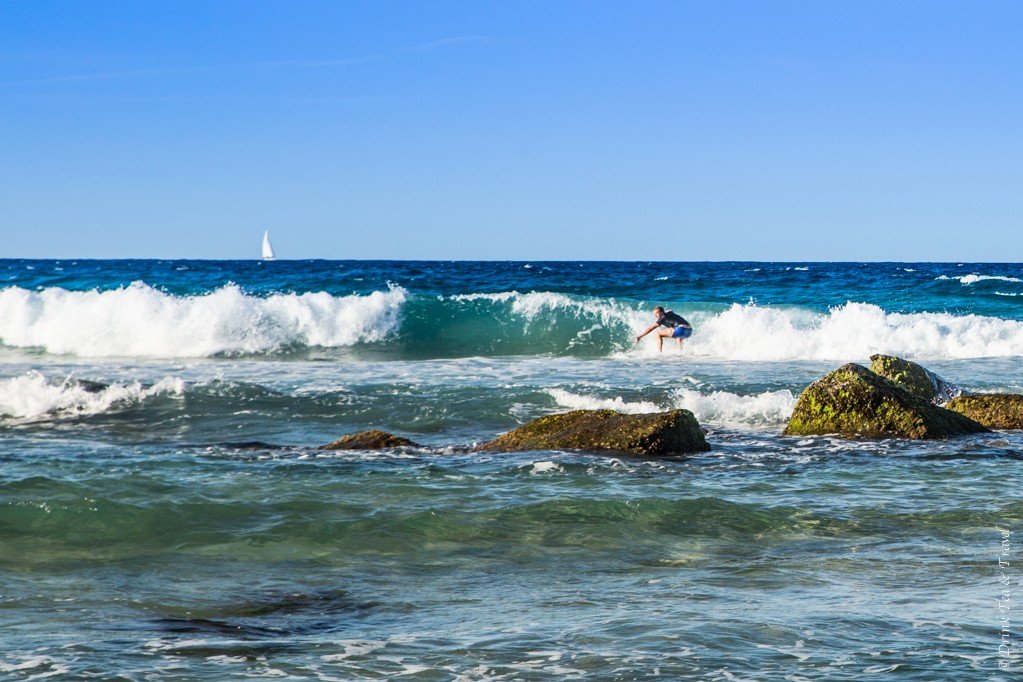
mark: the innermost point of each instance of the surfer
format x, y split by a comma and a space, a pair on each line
673, 325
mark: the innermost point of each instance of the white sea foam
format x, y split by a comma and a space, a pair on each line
765, 409
140, 321
494, 298
575, 401
32, 663
32, 397
750, 332
851, 331
545, 467
973, 278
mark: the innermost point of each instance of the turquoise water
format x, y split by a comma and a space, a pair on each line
164, 513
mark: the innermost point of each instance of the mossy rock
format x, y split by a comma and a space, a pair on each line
916, 379
648, 435
909, 375
373, 439
993, 410
855, 402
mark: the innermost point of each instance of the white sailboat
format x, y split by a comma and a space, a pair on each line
268, 250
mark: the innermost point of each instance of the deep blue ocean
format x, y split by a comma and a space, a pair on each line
165, 514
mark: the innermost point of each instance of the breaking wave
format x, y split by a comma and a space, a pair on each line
854, 330
145, 322
575, 401
771, 408
973, 278
141, 321
33, 397
750, 332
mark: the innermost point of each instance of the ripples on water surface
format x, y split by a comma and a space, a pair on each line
164, 515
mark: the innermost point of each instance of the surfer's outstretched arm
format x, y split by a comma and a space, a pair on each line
649, 329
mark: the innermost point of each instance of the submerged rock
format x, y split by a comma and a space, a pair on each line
918, 380
855, 402
993, 410
373, 439
87, 385
659, 434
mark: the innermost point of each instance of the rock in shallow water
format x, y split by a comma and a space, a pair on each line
916, 379
373, 439
649, 435
855, 402
993, 410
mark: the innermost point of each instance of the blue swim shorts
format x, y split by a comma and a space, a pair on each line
681, 332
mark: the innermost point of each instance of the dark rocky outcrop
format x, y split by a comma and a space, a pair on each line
649, 435
373, 439
918, 380
993, 410
855, 402
87, 385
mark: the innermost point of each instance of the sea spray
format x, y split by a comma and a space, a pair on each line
574, 401
771, 408
33, 397
974, 278
851, 331
141, 321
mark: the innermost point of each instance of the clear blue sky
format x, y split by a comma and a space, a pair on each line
647, 130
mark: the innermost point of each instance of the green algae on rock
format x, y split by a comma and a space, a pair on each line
916, 379
374, 439
855, 402
993, 410
650, 435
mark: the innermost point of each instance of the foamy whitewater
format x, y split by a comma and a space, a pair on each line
165, 514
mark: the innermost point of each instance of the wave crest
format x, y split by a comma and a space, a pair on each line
33, 397
854, 330
763, 409
141, 321
973, 278
574, 401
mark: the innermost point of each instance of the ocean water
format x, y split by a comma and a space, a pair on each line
165, 514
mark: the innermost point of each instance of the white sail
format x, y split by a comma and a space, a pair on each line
268, 251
